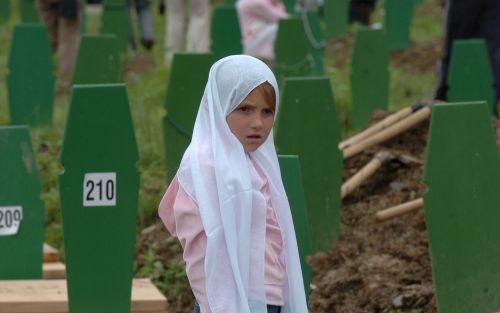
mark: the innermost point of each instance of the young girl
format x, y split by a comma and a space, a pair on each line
227, 204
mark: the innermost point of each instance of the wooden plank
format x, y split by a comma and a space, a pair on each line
226, 34
369, 75
30, 96
50, 254
462, 208
50, 296
21, 210
470, 76
292, 181
307, 126
99, 155
55, 270
398, 16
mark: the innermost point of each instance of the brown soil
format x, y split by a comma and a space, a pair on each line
376, 267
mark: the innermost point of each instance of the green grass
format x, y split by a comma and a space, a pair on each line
146, 82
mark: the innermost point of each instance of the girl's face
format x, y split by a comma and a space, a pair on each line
252, 120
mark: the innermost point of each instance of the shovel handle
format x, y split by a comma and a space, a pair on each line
399, 209
389, 132
363, 174
386, 122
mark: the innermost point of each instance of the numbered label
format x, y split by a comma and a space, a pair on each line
99, 189
10, 220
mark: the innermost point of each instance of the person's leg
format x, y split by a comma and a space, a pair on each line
489, 29
199, 26
69, 38
145, 23
47, 10
460, 22
174, 41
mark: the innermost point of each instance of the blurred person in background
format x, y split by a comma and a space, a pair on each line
63, 20
145, 19
198, 30
467, 19
259, 26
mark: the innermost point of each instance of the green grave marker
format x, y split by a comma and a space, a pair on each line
462, 208
185, 89
312, 29
4, 10
99, 193
293, 57
369, 75
30, 80
98, 60
115, 21
289, 6
226, 34
336, 18
29, 13
308, 127
398, 15
21, 210
470, 77
292, 181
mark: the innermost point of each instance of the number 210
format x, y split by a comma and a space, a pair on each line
108, 190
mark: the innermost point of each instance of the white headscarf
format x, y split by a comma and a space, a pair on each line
215, 172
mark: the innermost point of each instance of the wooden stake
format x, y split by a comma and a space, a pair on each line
364, 173
50, 254
388, 121
389, 133
399, 209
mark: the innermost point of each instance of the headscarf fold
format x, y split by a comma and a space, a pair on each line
215, 172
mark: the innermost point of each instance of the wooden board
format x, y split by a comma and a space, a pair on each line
98, 60
50, 296
369, 75
462, 208
186, 84
99, 191
22, 211
30, 79
292, 181
307, 126
293, 56
55, 270
226, 34
470, 77
114, 20
336, 18
398, 15
50, 254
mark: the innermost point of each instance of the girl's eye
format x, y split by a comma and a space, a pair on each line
269, 112
244, 109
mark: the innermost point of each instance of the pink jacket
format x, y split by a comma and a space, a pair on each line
184, 222
259, 25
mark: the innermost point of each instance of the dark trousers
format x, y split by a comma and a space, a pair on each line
466, 19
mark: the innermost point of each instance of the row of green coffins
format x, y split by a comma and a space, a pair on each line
99, 195
31, 82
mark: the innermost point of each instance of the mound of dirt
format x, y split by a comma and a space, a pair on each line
380, 266
375, 267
